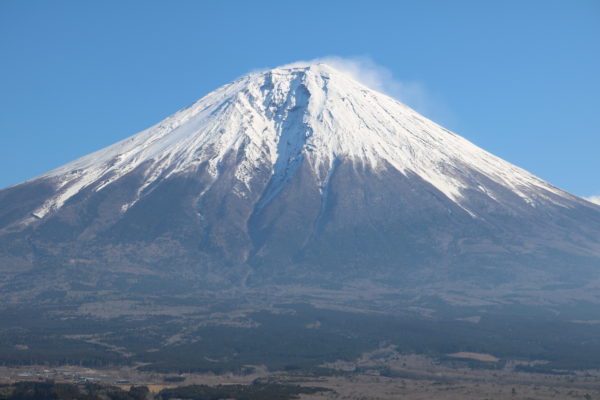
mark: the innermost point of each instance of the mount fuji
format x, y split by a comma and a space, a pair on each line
301, 178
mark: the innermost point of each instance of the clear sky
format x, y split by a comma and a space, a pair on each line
519, 78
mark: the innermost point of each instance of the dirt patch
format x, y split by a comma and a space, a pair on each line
475, 356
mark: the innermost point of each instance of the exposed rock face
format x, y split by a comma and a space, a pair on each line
300, 176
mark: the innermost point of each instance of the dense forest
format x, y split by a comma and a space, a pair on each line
293, 337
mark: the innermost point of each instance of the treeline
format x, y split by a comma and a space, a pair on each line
256, 391
67, 391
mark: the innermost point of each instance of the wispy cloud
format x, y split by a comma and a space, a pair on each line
380, 78
593, 199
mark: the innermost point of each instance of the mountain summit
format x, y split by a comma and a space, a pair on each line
279, 118
303, 176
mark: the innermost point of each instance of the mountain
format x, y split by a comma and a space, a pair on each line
302, 178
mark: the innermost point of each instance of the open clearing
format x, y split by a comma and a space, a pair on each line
475, 356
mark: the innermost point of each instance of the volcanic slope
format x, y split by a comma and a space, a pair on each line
297, 175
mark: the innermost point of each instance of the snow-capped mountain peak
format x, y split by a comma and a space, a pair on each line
281, 117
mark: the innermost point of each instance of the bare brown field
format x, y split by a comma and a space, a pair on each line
362, 387
475, 356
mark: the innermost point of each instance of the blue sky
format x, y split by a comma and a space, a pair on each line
518, 78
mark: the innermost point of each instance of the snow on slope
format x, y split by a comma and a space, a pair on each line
593, 199
281, 117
